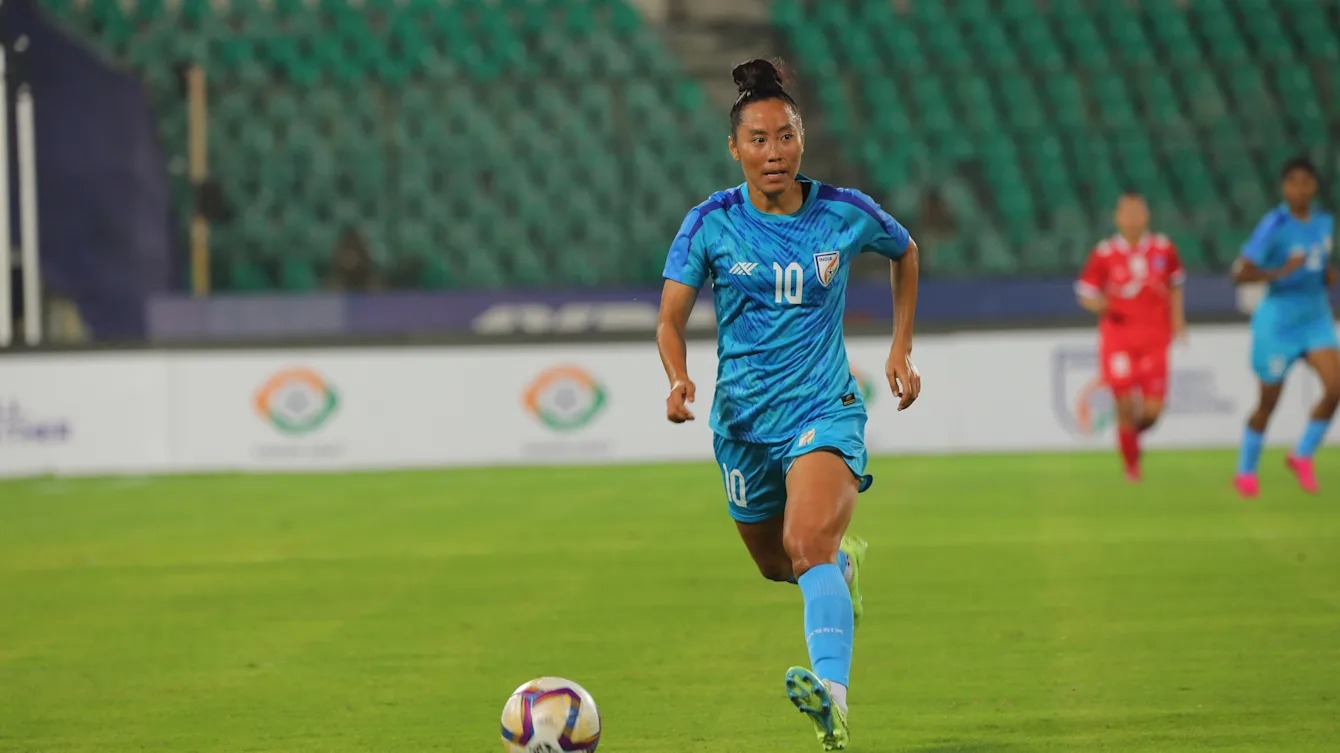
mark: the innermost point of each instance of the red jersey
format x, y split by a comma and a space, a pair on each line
1138, 284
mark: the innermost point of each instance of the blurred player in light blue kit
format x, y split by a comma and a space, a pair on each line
788, 417
1291, 250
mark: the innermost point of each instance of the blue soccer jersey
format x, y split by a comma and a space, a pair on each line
1300, 298
779, 286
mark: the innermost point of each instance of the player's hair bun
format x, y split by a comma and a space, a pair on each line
758, 80
758, 76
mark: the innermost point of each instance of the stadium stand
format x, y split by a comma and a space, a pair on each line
1030, 116
431, 130
450, 134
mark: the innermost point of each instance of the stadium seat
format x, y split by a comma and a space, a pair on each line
1171, 34
1036, 42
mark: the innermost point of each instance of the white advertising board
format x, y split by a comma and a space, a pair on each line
93, 413
315, 409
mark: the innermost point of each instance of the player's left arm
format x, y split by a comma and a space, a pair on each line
887, 237
904, 274
1176, 297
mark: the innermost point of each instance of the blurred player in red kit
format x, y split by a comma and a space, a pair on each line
1133, 283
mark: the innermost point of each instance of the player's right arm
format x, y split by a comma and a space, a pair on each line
677, 301
685, 271
1089, 286
1250, 266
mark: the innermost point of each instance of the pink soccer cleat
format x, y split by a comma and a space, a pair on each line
1247, 485
1133, 474
1304, 470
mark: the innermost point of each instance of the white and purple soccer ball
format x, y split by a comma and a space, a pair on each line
550, 715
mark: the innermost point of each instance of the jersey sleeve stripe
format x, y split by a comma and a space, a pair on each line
1274, 221
723, 201
830, 193
681, 248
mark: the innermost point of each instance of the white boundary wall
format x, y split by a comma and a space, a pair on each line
352, 408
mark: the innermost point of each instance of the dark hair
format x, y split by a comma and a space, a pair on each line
1300, 162
1132, 192
758, 80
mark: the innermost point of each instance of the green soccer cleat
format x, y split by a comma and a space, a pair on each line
855, 547
810, 695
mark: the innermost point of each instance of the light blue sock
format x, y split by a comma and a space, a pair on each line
841, 563
828, 622
1250, 454
1312, 436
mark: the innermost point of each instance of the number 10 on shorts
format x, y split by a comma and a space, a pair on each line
735, 491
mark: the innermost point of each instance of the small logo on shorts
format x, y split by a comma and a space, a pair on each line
1277, 366
806, 438
848, 398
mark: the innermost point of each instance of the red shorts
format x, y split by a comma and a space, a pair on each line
1145, 369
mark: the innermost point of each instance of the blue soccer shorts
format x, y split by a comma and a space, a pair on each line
755, 474
1274, 351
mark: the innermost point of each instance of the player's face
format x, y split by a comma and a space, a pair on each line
1132, 216
768, 144
1299, 188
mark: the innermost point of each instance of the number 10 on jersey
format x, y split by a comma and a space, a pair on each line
790, 282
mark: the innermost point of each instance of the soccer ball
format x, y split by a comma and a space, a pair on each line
550, 715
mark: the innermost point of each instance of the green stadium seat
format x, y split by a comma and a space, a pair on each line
976, 108
962, 203
244, 274
1204, 97
947, 257
1191, 250
1159, 101
1224, 43
993, 46
1113, 102
1308, 19
931, 105
1023, 110
1266, 34
1121, 24
1252, 99
947, 48
1086, 45
993, 255
1066, 101
1036, 43
1172, 35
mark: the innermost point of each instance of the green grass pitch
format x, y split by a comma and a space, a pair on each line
1025, 603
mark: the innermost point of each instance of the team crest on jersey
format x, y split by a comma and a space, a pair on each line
1159, 264
826, 266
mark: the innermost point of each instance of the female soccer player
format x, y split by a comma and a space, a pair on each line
788, 417
1133, 283
1290, 250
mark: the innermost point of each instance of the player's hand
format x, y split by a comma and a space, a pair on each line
1294, 263
904, 379
676, 408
